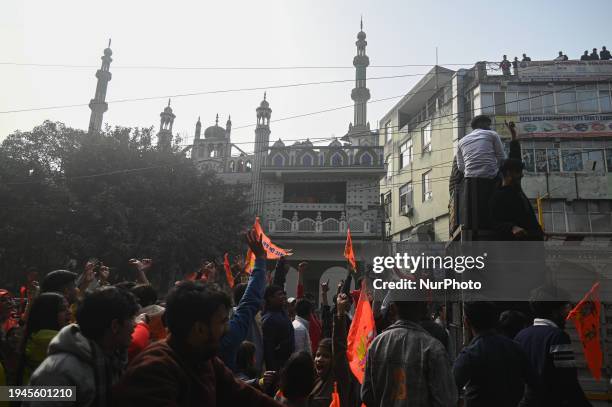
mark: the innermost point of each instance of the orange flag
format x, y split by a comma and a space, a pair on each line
348, 250
335, 397
272, 250
586, 316
360, 335
228, 271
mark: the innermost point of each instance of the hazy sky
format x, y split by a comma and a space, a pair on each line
271, 33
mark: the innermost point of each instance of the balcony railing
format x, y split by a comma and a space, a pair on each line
319, 226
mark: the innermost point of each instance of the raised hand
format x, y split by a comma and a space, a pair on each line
342, 304
255, 244
325, 287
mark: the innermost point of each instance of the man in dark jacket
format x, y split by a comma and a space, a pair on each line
493, 368
183, 369
512, 215
278, 333
550, 352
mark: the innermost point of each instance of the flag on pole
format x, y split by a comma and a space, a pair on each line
272, 250
228, 270
348, 250
360, 335
586, 316
335, 397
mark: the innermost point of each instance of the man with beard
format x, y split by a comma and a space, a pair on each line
183, 369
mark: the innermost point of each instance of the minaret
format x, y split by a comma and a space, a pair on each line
262, 138
164, 137
198, 130
360, 94
98, 104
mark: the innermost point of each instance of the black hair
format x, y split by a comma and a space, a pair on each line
297, 377
511, 165
191, 302
43, 315
481, 120
303, 308
100, 307
56, 281
547, 299
326, 343
481, 315
244, 357
238, 292
125, 285
145, 294
411, 310
271, 290
511, 322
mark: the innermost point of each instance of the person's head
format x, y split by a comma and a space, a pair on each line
297, 377
62, 282
291, 303
524, 55
586, 52
480, 316
560, 53
145, 294
516, 58
512, 171
323, 357
197, 316
550, 302
245, 358
604, 48
414, 311
238, 292
481, 122
594, 49
49, 311
505, 57
303, 308
275, 297
106, 316
511, 322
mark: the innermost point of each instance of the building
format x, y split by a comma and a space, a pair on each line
307, 196
564, 121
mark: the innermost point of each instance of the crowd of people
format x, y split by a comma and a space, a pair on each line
125, 345
505, 65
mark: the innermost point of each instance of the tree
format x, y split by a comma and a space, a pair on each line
113, 196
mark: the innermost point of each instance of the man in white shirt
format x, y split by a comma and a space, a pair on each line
303, 309
479, 156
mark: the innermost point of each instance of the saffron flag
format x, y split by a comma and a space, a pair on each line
335, 397
272, 250
586, 316
348, 250
360, 335
228, 271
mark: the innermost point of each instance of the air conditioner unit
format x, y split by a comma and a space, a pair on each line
406, 210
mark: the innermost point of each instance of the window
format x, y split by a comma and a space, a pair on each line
586, 216
405, 154
405, 196
540, 160
572, 160
388, 131
536, 102
389, 165
315, 192
336, 160
426, 137
278, 161
566, 102
609, 158
232, 166
500, 102
307, 160
523, 102
387, 204
548, 102
528, 160
488, 103
511, 102
604, 101
366, 159
593, 160
553, 160
587, 101
248, 166
426, 182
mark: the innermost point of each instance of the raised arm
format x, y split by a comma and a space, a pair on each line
342, 372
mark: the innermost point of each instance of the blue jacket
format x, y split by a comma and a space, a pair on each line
241, 322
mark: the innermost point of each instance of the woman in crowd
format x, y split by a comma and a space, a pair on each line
50, 312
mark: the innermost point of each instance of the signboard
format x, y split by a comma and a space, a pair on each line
554, 70
564, 126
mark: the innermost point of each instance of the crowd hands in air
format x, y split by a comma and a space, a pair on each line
124, 344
